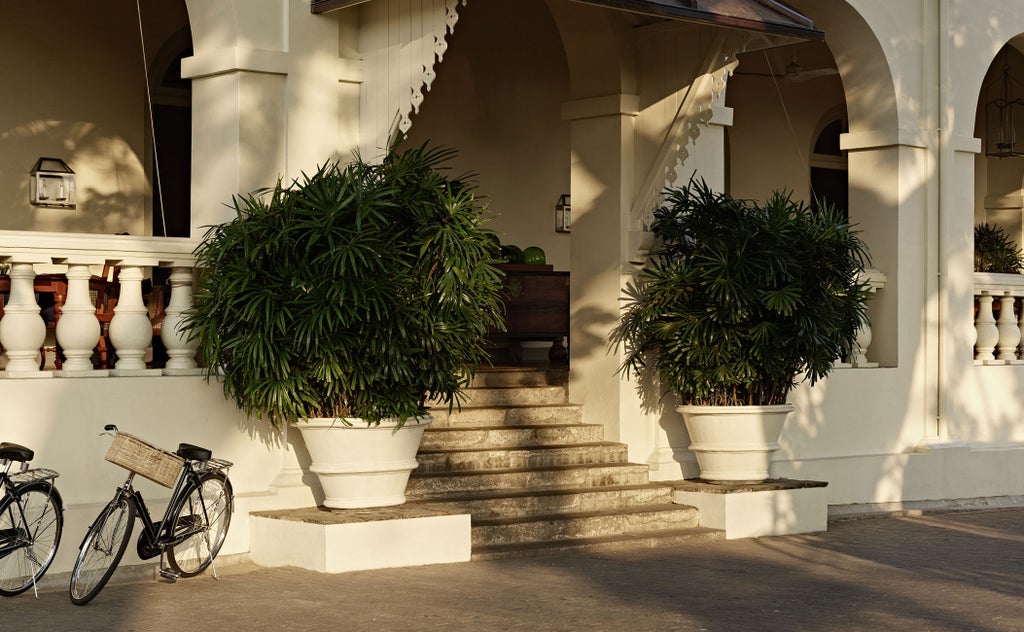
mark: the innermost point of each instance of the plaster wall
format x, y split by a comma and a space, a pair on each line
498, 103
772, 134
62, 419
78, 97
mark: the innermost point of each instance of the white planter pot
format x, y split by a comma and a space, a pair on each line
734, 443
361, 465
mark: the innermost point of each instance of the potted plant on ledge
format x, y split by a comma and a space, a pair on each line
346, 303
739, 303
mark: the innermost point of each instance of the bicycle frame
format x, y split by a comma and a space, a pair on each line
153, 535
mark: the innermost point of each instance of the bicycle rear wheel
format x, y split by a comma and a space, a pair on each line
30, 532
101, 550
202, 518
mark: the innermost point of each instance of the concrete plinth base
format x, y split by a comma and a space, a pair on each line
338, 541
745, 510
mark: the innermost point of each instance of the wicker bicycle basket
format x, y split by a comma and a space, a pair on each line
145, 459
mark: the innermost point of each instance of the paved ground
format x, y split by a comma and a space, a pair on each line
961, 571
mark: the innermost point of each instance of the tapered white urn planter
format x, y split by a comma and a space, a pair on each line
735, 443
360, 465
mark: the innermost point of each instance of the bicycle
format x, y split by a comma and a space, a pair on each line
189, 535
31, 521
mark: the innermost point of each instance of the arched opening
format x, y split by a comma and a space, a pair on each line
829, 165
999, 169
171, 143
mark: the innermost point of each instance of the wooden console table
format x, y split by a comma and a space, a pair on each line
536, 308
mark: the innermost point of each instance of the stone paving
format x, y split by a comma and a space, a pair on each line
954, 571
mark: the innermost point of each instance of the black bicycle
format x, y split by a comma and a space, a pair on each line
31, 521
191, 532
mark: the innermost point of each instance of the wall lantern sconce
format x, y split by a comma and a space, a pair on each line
1001, 116
563, 215
52, 183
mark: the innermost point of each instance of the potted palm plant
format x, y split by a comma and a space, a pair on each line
346, 303
739, 303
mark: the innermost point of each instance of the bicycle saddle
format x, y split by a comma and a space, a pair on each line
193, 452
15, 452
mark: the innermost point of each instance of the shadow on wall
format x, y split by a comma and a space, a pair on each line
111, 181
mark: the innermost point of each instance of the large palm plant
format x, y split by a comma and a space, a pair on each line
362, 290
742, 300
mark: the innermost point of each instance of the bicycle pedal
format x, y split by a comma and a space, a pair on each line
169, 574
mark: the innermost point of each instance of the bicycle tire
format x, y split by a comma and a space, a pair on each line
101, 550
209, 519
37, 537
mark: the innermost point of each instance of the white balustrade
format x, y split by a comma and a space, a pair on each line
130, 329
998, 340
22, 329
181, 350
875, 281
78, 330
76, 258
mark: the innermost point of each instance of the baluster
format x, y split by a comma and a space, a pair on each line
1020, 327
985, 325
180, 350
78, 329
22, 329
1009, 331
860, 347
130, 329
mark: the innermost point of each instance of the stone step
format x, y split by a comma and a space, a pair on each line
498, 458
437, 438
504, 503
563, 526
519, 376
597, 475
514, 395
508, 415
622, 541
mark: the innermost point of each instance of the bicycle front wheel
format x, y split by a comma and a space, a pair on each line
30, 529
201, 522
101, 550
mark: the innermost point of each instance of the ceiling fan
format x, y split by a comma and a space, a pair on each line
794, 72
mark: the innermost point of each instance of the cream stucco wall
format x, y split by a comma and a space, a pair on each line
497, 100
79, 97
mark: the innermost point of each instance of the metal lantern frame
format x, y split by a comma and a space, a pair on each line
1002, 115
52, 183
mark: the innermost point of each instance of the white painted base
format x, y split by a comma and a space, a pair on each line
752, 514
357, 546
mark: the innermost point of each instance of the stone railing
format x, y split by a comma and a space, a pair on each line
69, 265
997, 324
859, 360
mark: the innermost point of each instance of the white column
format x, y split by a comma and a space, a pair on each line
22, 330
985, 325
78, 330
130, 329
180, 350
1009, 331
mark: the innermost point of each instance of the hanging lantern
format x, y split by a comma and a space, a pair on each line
1001, 117
52, 183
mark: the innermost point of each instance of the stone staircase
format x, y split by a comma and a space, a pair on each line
519, 458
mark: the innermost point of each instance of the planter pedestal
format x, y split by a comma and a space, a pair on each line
743, 510
360, 465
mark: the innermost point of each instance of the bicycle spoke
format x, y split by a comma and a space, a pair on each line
102, 550
32, 524
202, 521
